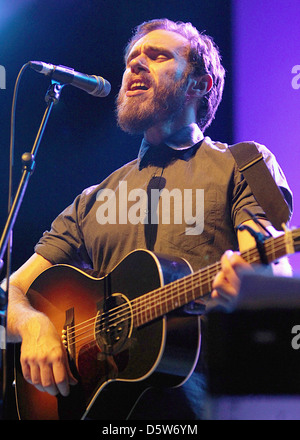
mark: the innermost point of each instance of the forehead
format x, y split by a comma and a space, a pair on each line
162, 38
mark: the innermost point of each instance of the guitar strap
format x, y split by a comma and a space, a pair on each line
251, 164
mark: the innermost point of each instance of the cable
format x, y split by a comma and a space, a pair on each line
10, 190
11, 164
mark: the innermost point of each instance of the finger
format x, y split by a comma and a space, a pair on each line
26, 371
237, 261
47, 381
61, 378
221, 299
71, 379
222, 288
62, 375
35, 377
228, 263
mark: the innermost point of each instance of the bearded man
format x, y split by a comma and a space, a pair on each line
172, 86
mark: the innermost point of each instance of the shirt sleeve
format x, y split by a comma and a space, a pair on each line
64, 243
244, 198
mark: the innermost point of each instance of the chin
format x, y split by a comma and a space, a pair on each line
133, 126
135, 119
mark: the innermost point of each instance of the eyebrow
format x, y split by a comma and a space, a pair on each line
153, 48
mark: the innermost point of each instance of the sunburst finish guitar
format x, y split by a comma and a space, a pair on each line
125, 332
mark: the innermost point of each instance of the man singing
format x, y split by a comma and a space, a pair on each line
171, 88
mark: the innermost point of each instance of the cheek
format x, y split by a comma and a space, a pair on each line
172, 82
182, 71
176, 74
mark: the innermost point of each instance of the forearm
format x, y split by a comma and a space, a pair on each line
43, 358
19, 314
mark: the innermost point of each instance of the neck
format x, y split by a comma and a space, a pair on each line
181, 138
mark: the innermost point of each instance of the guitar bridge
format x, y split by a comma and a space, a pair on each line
68, 333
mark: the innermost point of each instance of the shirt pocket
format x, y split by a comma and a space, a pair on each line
195, 230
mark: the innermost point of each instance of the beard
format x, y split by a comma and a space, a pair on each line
160, 103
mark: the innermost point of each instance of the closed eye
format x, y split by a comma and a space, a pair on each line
161, 57
158, 54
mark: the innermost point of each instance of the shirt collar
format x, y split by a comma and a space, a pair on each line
178, 145
162, 154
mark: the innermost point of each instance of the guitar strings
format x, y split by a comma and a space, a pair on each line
105, 326
138, 303
109, 324
152, 295
139, 306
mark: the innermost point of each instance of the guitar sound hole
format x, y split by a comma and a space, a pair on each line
113, 324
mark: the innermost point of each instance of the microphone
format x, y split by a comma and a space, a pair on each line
92, 84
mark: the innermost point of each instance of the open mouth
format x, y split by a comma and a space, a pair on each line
136, 87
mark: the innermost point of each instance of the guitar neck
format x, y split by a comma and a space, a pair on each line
172, 296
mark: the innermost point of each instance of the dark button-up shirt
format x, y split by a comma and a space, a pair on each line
185, 203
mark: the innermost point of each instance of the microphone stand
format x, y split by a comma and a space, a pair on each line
28, 164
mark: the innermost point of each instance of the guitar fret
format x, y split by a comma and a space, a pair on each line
161, 307
175, 297
273, 253
289, 242
136, 320
185, 290
148, 311
200, 287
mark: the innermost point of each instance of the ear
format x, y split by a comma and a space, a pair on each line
200, 86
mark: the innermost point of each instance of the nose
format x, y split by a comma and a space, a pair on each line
138, 64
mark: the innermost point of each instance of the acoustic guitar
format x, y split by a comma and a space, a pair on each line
125, 332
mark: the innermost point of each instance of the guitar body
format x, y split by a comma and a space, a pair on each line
114, 358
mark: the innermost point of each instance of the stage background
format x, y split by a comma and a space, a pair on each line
266, 94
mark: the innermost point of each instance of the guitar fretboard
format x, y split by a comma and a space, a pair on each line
172, 296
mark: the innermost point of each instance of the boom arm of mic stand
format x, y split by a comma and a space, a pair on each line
28, 164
